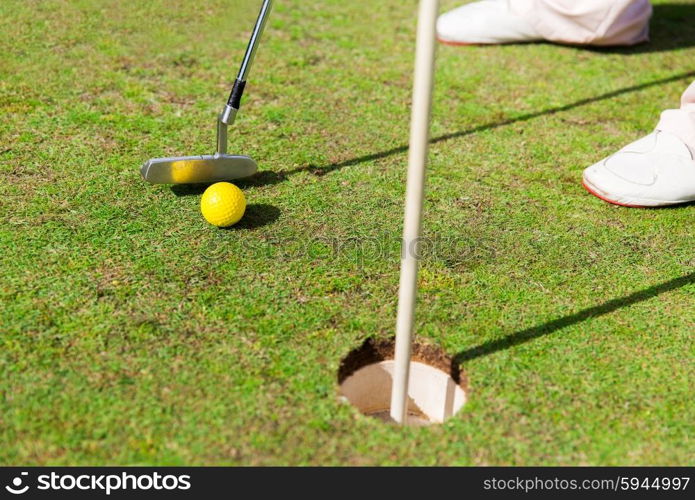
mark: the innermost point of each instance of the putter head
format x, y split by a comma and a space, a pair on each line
197, 169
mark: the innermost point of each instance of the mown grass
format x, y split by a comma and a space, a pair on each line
134, 333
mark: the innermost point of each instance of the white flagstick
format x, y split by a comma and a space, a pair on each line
417, 159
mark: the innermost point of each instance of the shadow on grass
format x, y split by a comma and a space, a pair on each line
269, 178
257, 215
535, 332
189, 189
264, 178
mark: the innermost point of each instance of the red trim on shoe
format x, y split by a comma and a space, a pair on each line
457, 44
610, 201
520, 42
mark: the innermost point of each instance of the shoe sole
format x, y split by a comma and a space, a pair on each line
608, 200
451, 43
459, 44
636, 204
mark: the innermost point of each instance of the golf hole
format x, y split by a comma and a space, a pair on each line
437, 389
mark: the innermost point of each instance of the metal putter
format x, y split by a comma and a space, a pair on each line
219, 166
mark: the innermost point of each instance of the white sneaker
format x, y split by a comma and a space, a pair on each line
482, 23
655, 171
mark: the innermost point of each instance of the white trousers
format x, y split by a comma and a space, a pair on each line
595, 22
681, 122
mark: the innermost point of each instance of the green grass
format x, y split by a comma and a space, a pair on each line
134, 333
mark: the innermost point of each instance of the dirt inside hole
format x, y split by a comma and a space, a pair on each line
437, 388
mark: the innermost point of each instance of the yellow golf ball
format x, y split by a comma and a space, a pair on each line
223, 204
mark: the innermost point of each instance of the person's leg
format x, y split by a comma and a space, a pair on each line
657, 170
681, 122
577, 22
588, 22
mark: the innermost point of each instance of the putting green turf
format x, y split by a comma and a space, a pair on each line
134, 333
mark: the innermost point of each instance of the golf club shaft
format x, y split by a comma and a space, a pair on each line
417, 160
234, 102
255, 38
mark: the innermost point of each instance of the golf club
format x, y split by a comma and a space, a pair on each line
219, 166
417, 160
